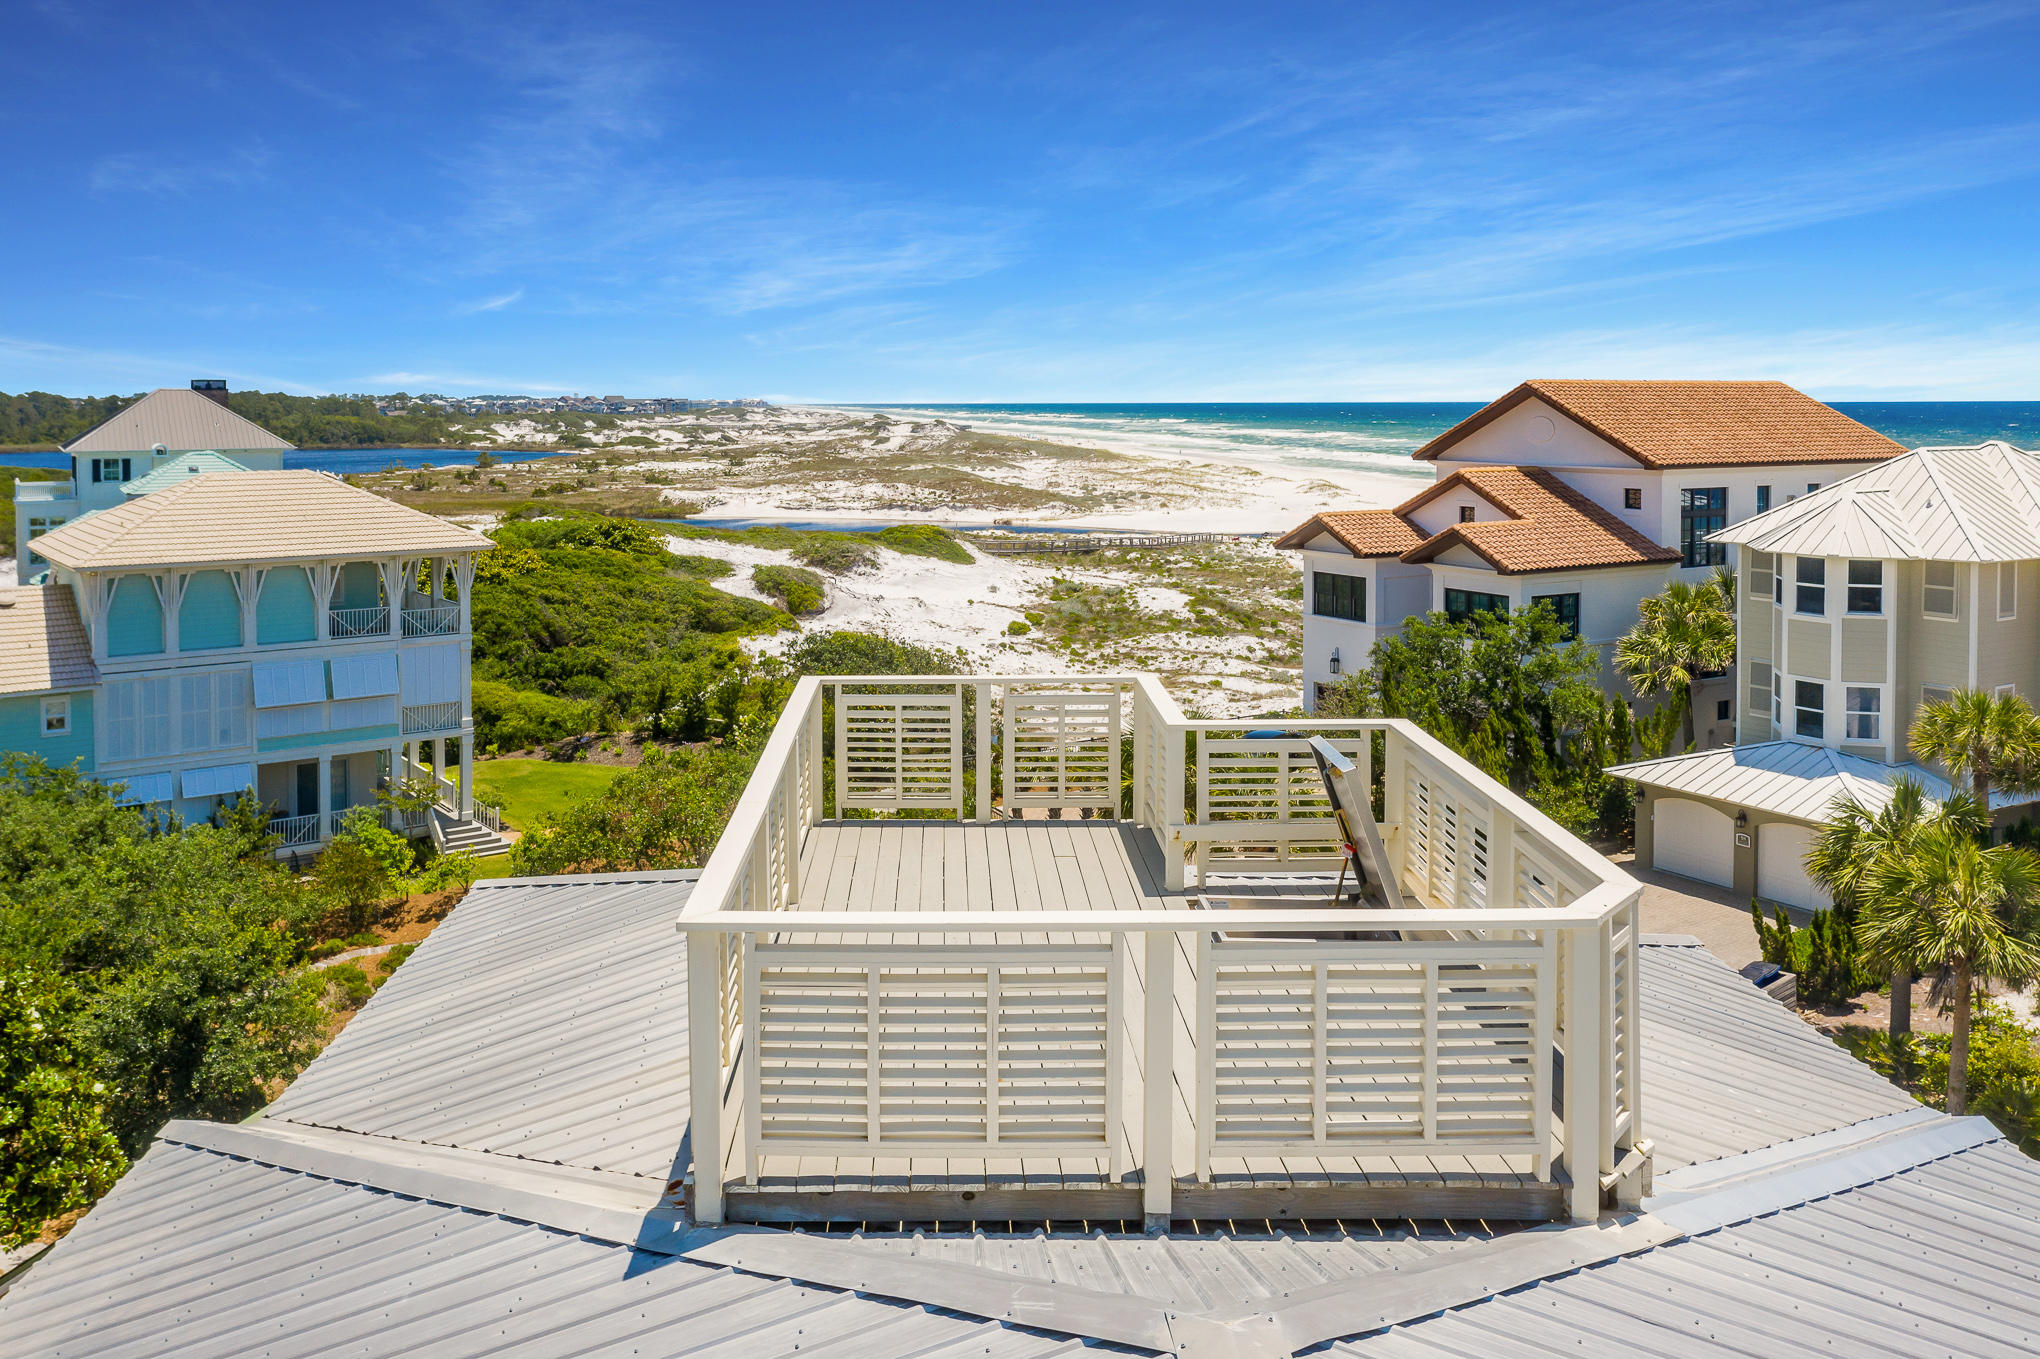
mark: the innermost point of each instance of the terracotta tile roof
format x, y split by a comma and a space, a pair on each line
43, 644
1694, 424
232, 517
1365, 533
1551, 527
179, 419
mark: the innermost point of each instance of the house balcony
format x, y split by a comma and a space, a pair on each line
441, 620
342, 624
1036, 949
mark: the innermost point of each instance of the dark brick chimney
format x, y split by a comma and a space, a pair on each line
216, 388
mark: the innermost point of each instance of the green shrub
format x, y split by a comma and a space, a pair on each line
837, 553
512, 719
1017, 628
702, 568
849, 652
347, 986
797, 590
925, 540
393, 960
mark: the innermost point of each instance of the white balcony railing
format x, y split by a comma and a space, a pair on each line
425, 718
370, 622
295, 831
1502, 987
437, 621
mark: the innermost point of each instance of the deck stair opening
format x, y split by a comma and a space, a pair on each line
456, 835
975, 948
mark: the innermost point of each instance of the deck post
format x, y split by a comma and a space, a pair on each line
1158, 1085
984, 751
1586, 1139
704, 1075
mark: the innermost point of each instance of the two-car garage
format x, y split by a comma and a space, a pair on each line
1745, 818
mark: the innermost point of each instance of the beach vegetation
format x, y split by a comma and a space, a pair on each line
1991, 739
925, 540
58, 1152
797, 589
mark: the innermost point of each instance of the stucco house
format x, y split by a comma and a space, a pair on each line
191, 427
1589, 495
277, 631
1859, 602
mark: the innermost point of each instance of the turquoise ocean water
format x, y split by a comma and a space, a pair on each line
1379, 435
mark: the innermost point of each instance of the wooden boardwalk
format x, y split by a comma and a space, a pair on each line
917, 867
1025, 544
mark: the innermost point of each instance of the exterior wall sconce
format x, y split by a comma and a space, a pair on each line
1742, 820
1335, 660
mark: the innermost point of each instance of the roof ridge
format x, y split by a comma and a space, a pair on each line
1955, 511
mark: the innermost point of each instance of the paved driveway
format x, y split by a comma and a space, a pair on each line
1713, 915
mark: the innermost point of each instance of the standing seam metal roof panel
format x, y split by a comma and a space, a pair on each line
179, 419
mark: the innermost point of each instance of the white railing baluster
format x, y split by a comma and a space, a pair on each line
1159, 1092
704, 1082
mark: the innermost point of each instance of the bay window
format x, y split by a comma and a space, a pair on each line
1809, 709
1863, 718
1811, 575
1866, 587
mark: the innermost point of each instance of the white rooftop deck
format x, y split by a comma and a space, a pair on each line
1000, 1016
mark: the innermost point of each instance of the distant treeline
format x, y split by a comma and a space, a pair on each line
45, 420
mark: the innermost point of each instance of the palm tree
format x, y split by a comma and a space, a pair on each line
1947, 902
1678, 635
1993, 738
1856, 839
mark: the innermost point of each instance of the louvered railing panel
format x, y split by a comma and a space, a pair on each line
899, 751
1062, 750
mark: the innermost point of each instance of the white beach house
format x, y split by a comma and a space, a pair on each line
1586, 495
116, 459
1859, 603
276, 631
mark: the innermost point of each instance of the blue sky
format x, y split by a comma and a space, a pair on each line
1021, 202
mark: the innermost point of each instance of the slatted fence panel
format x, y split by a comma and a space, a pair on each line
1263, 785
899, 751
1359, 1048
959, 1056
1062, 750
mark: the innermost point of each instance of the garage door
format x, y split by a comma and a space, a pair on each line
1693, 840
1781, 867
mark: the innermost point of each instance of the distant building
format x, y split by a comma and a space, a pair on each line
1586, 495
1858, 603
279, 632
157, 430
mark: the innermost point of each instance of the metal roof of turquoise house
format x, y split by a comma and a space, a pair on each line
180, 420
181, 469
480, 1164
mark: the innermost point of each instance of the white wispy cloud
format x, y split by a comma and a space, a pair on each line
496, 303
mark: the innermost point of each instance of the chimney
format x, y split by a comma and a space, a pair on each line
216, 388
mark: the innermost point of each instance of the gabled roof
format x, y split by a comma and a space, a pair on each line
1791, 778
229, 517
179, 419
1364, 533
180, 469
1549, 527
1692, 424
1969, 503
43, 644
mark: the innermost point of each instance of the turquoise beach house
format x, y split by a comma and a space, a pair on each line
274, 631
168, 434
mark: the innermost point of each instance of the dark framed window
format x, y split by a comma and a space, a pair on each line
1337, 596
1866, 587
1809, 707
1763, 499
1466, 514
1632, 497
1461, 605
1721, 709
1565, 608
1703, 510
1811, 574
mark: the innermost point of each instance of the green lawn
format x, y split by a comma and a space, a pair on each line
531, 789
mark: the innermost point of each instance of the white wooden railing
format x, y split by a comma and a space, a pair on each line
424, 718
293, 831
370, 622
436, 621
920, 1034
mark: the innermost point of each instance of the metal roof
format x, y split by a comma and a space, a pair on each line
232, 517
475, 1167
1790, 778
179, 419
43, 644
1722, 1076
543, 1021
1972, 503
180, 469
